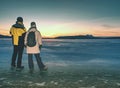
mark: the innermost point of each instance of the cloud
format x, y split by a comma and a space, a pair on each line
109, 26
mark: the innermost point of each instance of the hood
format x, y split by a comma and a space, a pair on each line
32, 29
18, 25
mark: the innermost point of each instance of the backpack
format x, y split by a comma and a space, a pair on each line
31, 40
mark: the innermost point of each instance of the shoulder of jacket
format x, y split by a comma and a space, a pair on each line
38, 31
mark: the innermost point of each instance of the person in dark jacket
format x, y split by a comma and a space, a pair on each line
18, 33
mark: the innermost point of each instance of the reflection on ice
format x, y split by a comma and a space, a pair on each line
61, 63
97, 61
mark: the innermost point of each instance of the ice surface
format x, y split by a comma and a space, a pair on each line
78, 63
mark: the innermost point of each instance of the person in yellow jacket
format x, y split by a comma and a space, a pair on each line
17, 32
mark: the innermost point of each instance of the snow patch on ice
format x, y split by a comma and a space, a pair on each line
1, 79
57, 64
53, 82
88, 87
40, 84
118, 84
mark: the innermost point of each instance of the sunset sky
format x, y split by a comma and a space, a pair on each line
63, 17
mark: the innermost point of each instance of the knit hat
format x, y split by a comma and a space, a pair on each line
19, 19
33, 24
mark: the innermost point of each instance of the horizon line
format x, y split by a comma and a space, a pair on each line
68, 36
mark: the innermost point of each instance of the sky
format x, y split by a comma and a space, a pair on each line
63, 17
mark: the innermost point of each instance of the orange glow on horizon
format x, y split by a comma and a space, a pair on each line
69, 29
4, 32
50, 35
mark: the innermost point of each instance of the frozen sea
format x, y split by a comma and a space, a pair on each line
72, 63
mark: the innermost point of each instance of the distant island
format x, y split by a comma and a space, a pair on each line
85, 37
73, 37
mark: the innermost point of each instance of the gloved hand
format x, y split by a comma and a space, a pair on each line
40, 46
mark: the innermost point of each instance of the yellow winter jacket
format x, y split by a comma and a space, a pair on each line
17, 32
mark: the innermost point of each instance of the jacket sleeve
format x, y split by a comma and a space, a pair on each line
11, 31
17, 31
25, 39
39, 38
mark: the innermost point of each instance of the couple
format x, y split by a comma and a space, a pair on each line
19, 38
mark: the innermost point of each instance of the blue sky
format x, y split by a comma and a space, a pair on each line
64, 17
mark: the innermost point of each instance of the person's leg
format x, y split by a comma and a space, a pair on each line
20, 53
14, 55
39, 61
30, 62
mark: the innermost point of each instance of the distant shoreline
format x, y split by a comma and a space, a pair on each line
86, 37
74, 37
5, 36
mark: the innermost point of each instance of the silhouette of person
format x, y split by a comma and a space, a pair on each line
17, 32
35, 50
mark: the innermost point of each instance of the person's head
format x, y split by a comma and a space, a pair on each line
19, 19
33, 24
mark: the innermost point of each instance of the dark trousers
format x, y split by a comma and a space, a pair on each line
38, 59
17, 54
